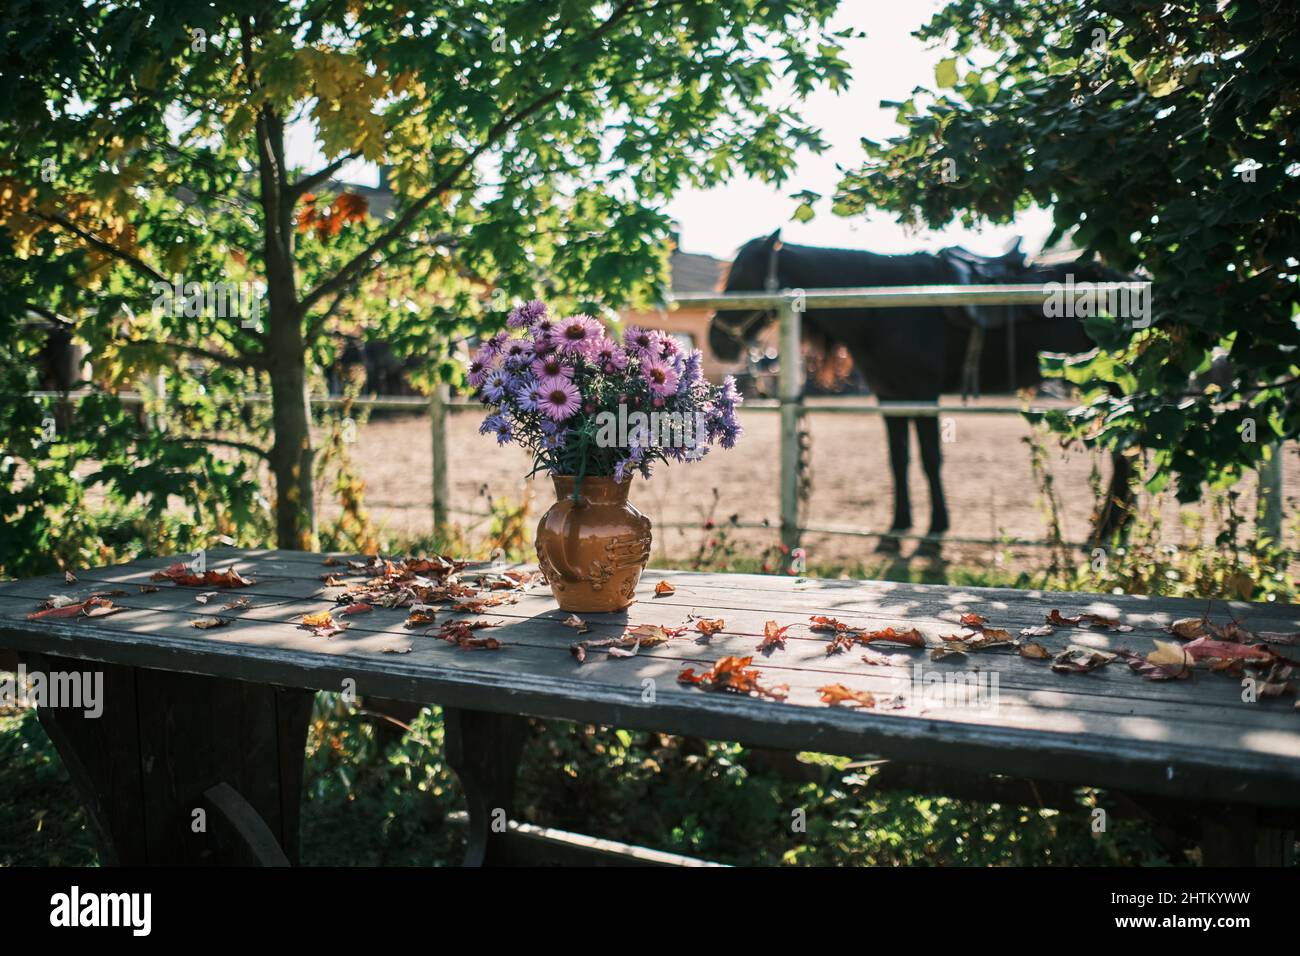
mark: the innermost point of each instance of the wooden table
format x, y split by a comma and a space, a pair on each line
214, 720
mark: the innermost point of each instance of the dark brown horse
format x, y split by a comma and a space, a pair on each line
917, 354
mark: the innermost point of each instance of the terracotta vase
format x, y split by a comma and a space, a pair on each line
593, 550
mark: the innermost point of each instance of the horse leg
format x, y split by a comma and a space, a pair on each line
927, 436
896, 429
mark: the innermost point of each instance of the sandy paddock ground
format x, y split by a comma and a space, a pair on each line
990, 486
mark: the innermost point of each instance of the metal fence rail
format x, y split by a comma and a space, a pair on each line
790, 303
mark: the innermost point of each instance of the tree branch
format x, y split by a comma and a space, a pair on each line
321, 175
134, 261
363, 263
223, 442
240, 362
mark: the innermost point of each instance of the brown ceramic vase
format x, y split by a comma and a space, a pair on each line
593, 550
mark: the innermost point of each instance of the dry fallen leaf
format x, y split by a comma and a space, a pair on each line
182, 574
69, 577
577, 623
208, 623
734, 675
773, 637
836, 694
911, 638
91, 607
664, 589
321, 619
1188, 628
709, 627
1043, 630
974, 620
205, 597
420, 615
148, 588
358, 608
1077, 659
1034, 651
238, 604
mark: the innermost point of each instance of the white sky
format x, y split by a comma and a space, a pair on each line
886, 65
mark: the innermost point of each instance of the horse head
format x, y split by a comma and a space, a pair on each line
755, 267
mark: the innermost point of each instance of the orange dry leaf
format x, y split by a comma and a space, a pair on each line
709, 627
835, 694
912, 637
91, 607
733, 674
322, 619
354, 609
461, 633
974, 620
773, 637
663, 589
182, 574
820, 622
420, 615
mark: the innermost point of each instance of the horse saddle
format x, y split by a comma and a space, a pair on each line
972, 269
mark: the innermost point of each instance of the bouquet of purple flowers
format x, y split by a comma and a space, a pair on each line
583, 404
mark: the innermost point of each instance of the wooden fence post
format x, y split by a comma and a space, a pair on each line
1270, 494
790, 390
438, 432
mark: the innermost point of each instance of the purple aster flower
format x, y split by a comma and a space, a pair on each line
526, 314
640, 342
576, 335
553, 441
690, 372
551, 366
560, 398
660, 375
492, 423
494, 344
505, 431
498, 382
608, 355
480, 364
517, 353
528, 395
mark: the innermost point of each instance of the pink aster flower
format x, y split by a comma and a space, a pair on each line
642, 343
559, 398
660, 375
480, 364
607, 353
551, 366
576, 335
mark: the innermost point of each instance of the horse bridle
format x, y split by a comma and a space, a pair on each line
770, 284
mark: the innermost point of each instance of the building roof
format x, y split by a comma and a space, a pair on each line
695, 272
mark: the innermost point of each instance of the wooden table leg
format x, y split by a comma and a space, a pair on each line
1244, 836
484, 748
183, 769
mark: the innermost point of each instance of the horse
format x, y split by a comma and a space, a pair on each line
915, 354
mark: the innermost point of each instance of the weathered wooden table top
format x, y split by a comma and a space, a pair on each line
1194, 738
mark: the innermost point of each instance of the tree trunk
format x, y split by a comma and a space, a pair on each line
292, 455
